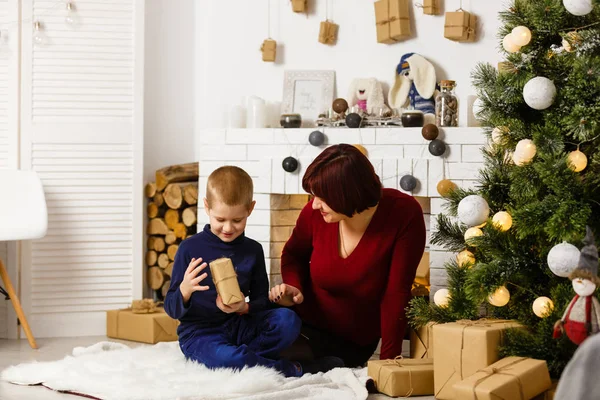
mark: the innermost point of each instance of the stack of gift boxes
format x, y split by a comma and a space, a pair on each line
466, 365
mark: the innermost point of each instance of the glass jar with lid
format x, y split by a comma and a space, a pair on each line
446, 105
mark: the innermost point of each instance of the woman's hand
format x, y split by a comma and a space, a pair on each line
285, 295
191, 282
239, 307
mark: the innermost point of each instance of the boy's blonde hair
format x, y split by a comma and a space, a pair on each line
231, 185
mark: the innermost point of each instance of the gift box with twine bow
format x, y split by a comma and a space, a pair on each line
328, 32
402, 376
392, 20
269, 50
460, 26
225, 280
145, 321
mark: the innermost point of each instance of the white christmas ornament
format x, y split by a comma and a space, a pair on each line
441, 297
524, 152
473, 210
539, 93
542, 306
521, 36
509, 45
578, 7
477, 108
563, 259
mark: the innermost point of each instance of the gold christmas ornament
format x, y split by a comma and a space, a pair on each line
465, 257
521, 36
502, 220
543, 306
441, 298
445, 186
500, 297
362, 149
472, 232
577, 161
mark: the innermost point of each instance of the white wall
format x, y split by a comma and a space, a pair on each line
169, 84
229, 34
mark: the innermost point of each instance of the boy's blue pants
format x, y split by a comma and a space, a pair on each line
247, 340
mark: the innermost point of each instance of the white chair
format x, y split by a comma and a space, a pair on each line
23, 216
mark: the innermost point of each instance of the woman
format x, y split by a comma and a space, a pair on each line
350, 262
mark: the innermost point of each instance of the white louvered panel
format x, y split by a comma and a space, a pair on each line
86, 73
85, 261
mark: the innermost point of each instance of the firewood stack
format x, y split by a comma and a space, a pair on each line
172, 214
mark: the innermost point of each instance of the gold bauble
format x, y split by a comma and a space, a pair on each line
472, 232
502, 220
577, 161
445, 186
465, 257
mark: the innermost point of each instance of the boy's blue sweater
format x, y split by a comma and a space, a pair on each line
249, 262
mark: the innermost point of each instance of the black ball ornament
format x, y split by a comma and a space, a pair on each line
437, 147
353, 120
289, 164
316, 138
408, 183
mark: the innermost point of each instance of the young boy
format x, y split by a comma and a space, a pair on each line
240, 334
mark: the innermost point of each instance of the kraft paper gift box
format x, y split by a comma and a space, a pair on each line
392, 20
464, 347
431, 7
402, 377
328, 32
269, 50
225, 280
548, 394
460, 26
147, 328
512, 378
298, 5
421, 342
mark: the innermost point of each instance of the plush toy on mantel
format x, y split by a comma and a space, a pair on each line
414, 84
367, 93
582, 316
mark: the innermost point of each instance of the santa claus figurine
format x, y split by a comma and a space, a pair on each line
582, 317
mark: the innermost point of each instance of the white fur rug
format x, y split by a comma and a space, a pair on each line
110, 370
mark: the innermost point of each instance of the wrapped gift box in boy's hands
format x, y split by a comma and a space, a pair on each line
225, 280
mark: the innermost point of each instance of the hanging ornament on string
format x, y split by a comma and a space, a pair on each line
539, 93
445, 186
578, 7
290, 164
473, 210
316, 138
577, 160
542, 306
328, 30
502, 220
562, 259
500, 297
437, 147
441, 298
269, 46
430, 132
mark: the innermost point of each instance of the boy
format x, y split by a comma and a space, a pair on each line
240, 334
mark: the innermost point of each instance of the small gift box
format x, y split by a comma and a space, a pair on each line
402, 377
431, 7
460, 26
269, 50
298, 5
421, 342
392, 20
508, 379
150, 327
328, 32
225, 280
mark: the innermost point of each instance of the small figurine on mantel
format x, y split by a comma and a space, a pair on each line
582, 316
414, 85
367, 94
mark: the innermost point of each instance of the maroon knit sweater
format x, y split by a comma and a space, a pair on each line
361, 298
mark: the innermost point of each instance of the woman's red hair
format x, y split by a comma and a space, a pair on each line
344, 178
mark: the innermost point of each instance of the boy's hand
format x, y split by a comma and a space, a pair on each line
239, 307
190, 282
285, 295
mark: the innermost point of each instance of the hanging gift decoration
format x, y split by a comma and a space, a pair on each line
460, 25
269, 46
290, 164
578, 7
473, 210
392, 20
298, 6
408, 183
431, 7
316, 138
539, 93
328, 30
437, 147
577, 160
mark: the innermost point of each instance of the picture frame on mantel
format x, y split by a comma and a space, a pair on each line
308, 93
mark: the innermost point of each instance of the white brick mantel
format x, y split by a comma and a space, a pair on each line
392, 151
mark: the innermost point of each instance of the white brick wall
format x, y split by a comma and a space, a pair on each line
393, 152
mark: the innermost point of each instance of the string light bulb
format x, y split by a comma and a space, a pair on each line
500, 297
502, 220
577, 160
471, 233
542, 306
39, 38
71, 18
509, 45
441, 298
520, 35
524, 152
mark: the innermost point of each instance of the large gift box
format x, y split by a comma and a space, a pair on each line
269, 50
421, 342
392, 20
225, 280
511, 378
151, 327
460, 26
328, 32
402, 376
464, 347
431, 7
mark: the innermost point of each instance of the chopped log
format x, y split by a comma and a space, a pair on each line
170, 238
173, 196
151, 258
157, 226
171, 251
163, 260
165, 288
155, 277
188, 216
190, 193
150, 189
169, 269
158, 199
159, 244
180, 230
150, 242
152, 210
172, 218
176, 173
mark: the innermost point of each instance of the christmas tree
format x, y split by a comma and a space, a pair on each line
519, 233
